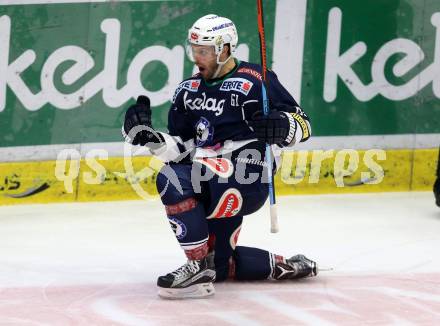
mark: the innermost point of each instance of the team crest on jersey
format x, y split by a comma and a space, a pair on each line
191, 85
204, 132
241, 85
229, 204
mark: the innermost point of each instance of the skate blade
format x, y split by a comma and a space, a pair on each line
195, 291
325, 269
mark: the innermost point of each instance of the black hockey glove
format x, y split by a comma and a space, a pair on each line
139, 115
276, 128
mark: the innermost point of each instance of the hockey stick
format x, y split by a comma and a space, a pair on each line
266, 110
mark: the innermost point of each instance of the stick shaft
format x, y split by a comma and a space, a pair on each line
266, 110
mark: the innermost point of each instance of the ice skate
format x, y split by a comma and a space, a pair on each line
192, 280
296, 267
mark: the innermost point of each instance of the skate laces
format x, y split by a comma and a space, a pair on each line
191, 267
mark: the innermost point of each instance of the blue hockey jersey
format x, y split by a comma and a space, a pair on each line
211, 117
212, 112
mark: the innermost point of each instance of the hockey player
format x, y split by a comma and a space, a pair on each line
215, 171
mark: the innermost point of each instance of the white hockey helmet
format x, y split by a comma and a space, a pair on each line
213, 30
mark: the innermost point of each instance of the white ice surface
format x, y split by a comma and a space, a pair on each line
92, 244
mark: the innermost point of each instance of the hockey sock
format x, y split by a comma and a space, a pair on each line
223, 236
254, 264
187, 220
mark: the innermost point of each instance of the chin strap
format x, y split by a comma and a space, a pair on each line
220, 64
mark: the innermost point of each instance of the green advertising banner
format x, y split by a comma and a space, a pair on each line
69, 70
372, 67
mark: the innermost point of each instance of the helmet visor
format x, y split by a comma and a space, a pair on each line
203, 52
